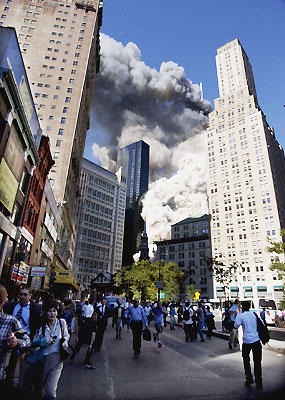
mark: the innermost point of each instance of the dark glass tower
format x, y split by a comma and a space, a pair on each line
134, 160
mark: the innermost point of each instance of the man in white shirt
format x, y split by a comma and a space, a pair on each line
87, 309
251, 341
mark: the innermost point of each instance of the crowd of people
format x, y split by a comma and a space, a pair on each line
35, 334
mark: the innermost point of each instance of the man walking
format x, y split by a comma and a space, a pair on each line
137, 317
9, 325
233, 312
159, 312
200, 316
103, 313
118, 315
251, 342
188, 322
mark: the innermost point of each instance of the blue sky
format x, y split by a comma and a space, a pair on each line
189, 32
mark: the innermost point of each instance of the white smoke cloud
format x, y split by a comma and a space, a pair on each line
135, 102
170, 200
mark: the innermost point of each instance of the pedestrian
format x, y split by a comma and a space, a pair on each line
103, 313
147, 312
188, 322
179, 315
200, 317
210, 322
62, 313
53, 329
251, 342
137, 318
233, 311
195, 322
87, 310
26, 311
29, 314
159, 312
262, 315
12, 336
86, 335
164, 315
118, 315
172, 314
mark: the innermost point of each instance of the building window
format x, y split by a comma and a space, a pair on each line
58, 143
60, 131
63, 120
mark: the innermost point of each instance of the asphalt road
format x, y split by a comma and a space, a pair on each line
177, 371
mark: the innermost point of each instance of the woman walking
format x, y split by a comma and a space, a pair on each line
53, 330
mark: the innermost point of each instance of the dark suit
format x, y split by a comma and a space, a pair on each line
102, 323
35, 315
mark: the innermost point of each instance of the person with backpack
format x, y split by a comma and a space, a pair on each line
187, 322
251, 342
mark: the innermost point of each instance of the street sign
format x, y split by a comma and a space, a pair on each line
159, 285
38, 271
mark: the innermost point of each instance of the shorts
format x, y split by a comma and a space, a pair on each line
158, 328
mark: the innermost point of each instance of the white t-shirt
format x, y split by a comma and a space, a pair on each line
249, 325
87, 310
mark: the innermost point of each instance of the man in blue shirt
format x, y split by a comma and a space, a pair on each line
137, 317
158, 313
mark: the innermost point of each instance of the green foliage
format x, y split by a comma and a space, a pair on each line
223, 273
278, 248
191, 290
141, 279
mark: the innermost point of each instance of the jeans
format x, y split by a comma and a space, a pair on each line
257, 355
119, 325
200, 327
172, 322
233, 336
137, 327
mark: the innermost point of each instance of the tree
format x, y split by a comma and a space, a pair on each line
223, 272
278, 248
141, 278
191, 290
276, 264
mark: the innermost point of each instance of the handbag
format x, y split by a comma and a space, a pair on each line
146, 335
262, 330
64, 353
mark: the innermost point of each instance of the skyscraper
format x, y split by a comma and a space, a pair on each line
100, 222
60, 45
134, 160
246, 188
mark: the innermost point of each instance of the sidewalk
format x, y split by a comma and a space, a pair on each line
273, 345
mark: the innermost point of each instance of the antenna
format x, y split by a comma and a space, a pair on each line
201, 91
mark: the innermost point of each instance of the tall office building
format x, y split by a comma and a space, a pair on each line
134, 160
59, 41
100, 222
246, 187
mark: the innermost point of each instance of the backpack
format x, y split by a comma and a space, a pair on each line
262, 330
186, 315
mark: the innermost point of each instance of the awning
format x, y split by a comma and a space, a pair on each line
220, 289
234, 289
277, 287
247, 288
262, 288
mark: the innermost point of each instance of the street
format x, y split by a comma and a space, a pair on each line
178, 370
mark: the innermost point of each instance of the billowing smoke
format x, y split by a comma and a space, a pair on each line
135, 102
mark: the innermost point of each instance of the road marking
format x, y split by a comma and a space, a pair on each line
111, 387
